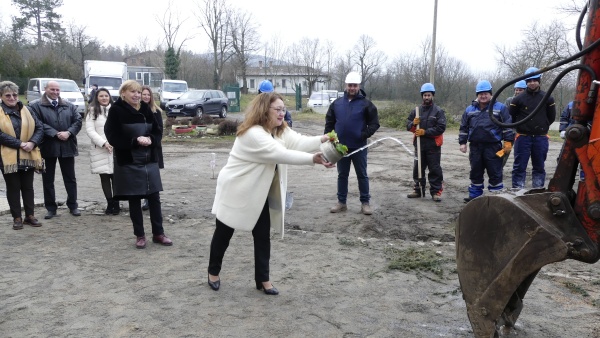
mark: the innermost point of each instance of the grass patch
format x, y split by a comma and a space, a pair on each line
351, 242
576, 289
415, 259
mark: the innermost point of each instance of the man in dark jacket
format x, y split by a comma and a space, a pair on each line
61, 124
92, 93
565, 119
532, 136
354, 119
431, 127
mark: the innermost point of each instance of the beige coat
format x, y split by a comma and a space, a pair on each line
101, 161
250, 176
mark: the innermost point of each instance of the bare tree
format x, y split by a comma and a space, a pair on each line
79, 46
214, 19
343, 65
368, 59
307, 60
244, 40
172, 25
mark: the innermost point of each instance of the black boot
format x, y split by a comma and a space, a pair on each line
145, 205
109, 208
116, 209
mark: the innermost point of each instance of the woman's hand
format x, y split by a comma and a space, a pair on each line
324, 138
27, 146
108, 147
144, 141
319, 159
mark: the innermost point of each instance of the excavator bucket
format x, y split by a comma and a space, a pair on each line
502, 241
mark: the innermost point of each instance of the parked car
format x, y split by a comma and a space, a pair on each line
197, 102
318, 99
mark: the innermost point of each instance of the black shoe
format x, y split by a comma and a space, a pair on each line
50, 214
75, 212
214, 285
272, 291
116, 208
467, 199
145, 205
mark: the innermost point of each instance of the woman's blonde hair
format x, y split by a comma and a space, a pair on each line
257, 114
153, 106
130, 85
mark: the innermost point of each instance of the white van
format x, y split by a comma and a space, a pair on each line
69, 91
171, 90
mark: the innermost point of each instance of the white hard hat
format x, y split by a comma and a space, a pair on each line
353, 77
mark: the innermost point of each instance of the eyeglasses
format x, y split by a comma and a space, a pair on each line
13, 95
279, 110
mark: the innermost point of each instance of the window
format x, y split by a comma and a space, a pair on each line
283, 83
252, 84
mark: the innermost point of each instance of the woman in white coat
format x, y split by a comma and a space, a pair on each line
101, 157
251, 188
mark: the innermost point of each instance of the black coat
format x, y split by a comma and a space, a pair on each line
136, 172
64, 118
15, 141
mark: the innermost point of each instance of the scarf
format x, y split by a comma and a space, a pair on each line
13, 158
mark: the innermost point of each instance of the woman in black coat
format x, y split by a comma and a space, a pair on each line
134, 134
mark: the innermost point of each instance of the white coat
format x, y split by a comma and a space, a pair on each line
101, 161
257, 170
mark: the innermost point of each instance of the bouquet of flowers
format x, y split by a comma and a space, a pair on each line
333, 138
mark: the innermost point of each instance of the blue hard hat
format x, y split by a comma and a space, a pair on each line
428, 87
531, 70
265, 87
521, 84
483, 86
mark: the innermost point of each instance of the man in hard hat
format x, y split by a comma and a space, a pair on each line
266, 87
485, 140
565, 119
354, 119
532, 136
429, 127
520, 87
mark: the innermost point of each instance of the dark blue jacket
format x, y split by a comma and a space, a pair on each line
565, 117
354, 120
476, 125
523, 104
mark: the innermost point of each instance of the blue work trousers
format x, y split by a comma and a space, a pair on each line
483, 158
536, 147
359, 160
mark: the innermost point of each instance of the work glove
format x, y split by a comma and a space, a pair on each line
562, 134
419, 132
507, 146
416, 121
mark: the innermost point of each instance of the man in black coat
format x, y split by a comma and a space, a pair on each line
61, 123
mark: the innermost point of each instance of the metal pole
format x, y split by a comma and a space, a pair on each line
432, 65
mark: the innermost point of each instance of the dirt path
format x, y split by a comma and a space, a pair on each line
82, 277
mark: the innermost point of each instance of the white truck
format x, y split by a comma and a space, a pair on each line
171, 90
105, 74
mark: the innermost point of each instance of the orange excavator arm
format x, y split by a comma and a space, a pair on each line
502, 241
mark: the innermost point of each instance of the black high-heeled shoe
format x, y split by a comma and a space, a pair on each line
214, 285
272, 291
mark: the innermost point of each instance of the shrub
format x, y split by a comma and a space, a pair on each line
228, 127
396, 114
204, 119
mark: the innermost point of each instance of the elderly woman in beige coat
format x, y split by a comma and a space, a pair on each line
101, 157
251, 188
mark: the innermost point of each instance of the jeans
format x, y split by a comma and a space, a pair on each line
359, 160
536, 147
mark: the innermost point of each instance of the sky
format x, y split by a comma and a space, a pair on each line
468, 30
